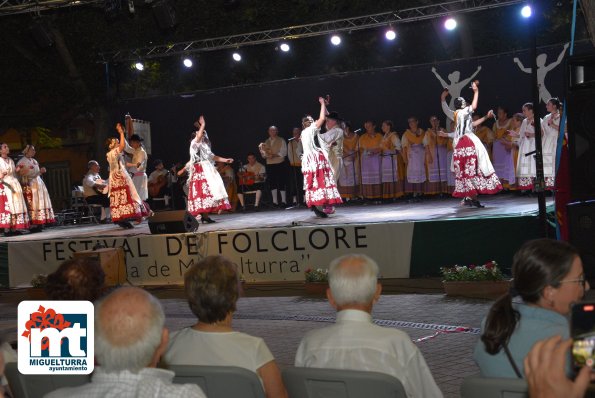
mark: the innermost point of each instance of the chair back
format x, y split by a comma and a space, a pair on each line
340, 383
220, 381
35, 386
493, 387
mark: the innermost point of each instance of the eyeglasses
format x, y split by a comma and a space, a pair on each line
580, 280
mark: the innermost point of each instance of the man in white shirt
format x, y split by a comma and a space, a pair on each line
274, 151
129, 340
354, 342
95, 189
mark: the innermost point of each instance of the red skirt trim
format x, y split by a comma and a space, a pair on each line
200, 199
469, 179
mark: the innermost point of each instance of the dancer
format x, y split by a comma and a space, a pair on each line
474, 172
36, 194
274, 150
436, 157
206, 192
502, 149
526, 168
349, 177
14, 216
392, 187
137, 167
550, 129
331, 143
319, 182
370, 149
414, 155
125, 204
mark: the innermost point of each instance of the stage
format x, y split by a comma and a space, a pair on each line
406, 239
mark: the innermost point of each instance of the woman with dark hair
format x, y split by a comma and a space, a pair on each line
206, 191
526, 169
474, 173
414, 155
548, 276
13, 208
125, 204
213, 288
349, 177
36, 194
550, 130
77, 279
502, 151
392, 187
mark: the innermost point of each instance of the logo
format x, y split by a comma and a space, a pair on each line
56, 337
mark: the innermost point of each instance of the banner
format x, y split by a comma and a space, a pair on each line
150, 259
283, 254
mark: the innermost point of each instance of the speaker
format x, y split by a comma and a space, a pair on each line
581, 225
165, 14
42, 34
581, 133
172, 222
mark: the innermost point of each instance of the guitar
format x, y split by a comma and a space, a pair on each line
154, 187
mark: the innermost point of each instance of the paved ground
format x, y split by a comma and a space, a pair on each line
282, 321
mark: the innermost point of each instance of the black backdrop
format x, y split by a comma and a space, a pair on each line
238, 118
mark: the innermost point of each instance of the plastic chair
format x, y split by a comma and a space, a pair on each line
35, 386
493, 387
340, 383
220, 381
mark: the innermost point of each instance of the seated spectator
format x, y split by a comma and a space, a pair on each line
212, 287
76, 279
129, 340
546, 374
354, 342
548, 275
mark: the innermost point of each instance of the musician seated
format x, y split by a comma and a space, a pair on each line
95, 189
251, 178
158, 184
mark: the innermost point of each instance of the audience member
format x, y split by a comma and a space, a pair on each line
212, 287
354, 341
76, 279
548, 275
129, 340
546, 374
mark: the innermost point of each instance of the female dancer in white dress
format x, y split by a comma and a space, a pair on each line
206, 191
550, 129
35, 191
474, 172
525, 168
13, 209
125, 204
319, 182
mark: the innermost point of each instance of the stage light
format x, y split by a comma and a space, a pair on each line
526, 11
450, 24
390, 34
336, 40
284, 47
237, 57
187, 62
139, 66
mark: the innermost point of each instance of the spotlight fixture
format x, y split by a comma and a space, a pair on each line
237, 57
336, 40
390, 34
188, 63
284, 47
139, 66
526, 11
450, 24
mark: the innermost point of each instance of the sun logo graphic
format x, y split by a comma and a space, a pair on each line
56, 337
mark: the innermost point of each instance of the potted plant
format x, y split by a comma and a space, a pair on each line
316, 281
478, 281
37, 289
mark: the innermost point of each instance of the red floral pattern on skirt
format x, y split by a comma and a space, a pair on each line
4, 210
469, 179
200, 199
122, 206
37, 216
319, 182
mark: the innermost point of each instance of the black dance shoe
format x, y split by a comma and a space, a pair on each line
318, 212
206, 220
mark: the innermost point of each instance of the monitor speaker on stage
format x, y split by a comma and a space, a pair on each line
581, 122
581, 225
172, 222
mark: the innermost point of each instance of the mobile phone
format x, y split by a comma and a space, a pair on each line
583, 334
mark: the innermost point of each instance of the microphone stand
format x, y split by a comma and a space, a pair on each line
294, 171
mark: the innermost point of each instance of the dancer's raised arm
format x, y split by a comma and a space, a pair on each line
318, 123
475, 100
122, 143
200, 123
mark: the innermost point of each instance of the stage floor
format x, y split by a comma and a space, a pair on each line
502, 205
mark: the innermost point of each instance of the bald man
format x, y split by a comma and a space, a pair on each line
354, 342
130, 338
